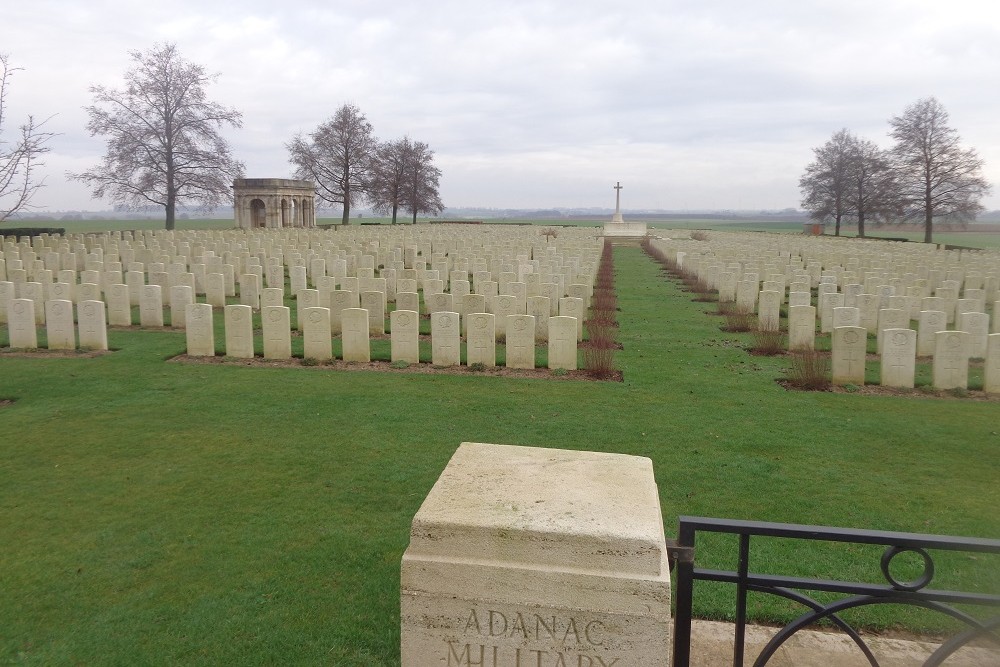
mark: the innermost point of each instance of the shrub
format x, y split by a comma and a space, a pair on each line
767, 343
738, 321
809, 369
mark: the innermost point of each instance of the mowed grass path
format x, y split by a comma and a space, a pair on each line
161, 513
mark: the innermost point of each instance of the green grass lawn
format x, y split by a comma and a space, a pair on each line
165, 513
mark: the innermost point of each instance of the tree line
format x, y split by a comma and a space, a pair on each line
164, 147
925, 176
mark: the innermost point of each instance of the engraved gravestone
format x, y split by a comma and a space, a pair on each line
445, 340
951, 360
848, 355
899, 353
405, 341
200, 329
481, 346
527, 556
239, 331
316, 338
92, 325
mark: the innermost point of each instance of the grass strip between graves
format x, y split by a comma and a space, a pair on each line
157, 513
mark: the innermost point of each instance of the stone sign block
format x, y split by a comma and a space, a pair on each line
528, 556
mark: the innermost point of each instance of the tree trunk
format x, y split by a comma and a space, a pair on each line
395, 209
346, 218
171, 206
861, 224
836, 227
414, 216
928, 225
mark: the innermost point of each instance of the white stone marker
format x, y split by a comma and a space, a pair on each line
846, 316
92, 325
868, 307
849, 347
250, 290
374, 302
472, 303
271, 297
355, 341
446, 347
21, 324
481, 346
239, 331
977, 325
951, 360
538, 307
520, 345
521, 556
35, 292
119, 310
215, 290
405, 336
341, 300
306, 298
899, 356
180, 297
151, 306
7, 294
562, 342
769, 310
276, 324
59, 329
890, 318
573, 307
991, 368
440, 302
929, 323
200, 329
801, 327
317, 341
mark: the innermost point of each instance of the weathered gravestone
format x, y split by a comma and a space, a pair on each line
522, 556
316, 337
899, 356
848, 355
519, 348
405, 339
355, 341
446, 348
951, 360
150, 306
21, 324
59, 329
92, 325
991, 369
200, 329
481, 347
801, 327
276, 325
239, 331
562, 342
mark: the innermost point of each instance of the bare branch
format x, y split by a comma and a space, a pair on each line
20, 159
164, 144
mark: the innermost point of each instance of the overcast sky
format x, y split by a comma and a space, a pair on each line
691, 105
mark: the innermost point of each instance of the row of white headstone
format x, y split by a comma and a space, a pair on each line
446, 344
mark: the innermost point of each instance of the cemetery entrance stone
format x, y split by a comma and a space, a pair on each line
528, 556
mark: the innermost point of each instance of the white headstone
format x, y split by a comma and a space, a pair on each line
239, 331
520, 344
801, 327
899, 353
59, 329
849, 347
276, 326
355, 340
200, 329
562, 342
317, 340
481, 343
21, 324
951, 360
92, 324
445, 339
405, 339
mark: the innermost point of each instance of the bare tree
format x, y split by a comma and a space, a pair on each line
874, 191
939, 178
164, 141
19, 159
827, 183
337, 157
389, 173
422, 182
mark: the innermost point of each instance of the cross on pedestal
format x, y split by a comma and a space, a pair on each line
618, 194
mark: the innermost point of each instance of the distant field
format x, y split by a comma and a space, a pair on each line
981, 235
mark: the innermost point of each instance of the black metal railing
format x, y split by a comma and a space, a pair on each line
893, 591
